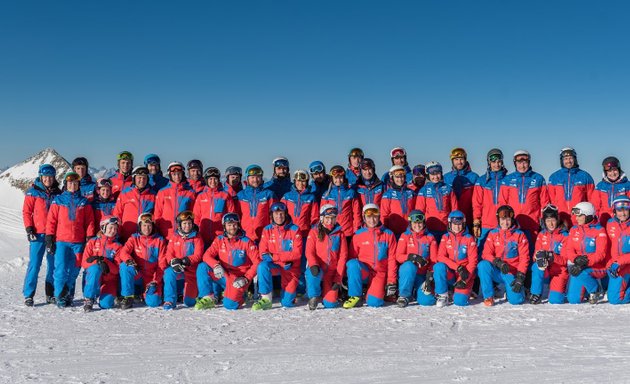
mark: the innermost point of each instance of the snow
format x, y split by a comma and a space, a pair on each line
504, 343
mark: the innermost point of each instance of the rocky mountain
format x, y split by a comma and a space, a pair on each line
21, 175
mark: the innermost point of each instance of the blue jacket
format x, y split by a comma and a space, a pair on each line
88, 187
278, 186
157, 181
463, 183
318, 189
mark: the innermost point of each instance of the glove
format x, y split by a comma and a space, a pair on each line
335, 286
575, 270
314, 270
581, 260
267, 257
132, 263
542, 261
390, 290
463, 273
104, 266
240, 282
218, 271
417, 259
427, 285
95, 259
502, 265
178, 265
517, 283
614, 270
30, 234
460, 284
477, 228
51, 246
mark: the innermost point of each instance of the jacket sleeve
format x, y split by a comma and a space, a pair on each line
538, 244
433, 251
263, 244
87, 252
211, 256
90, 227
401, 249
386, 211
127, 250
473, 254
477, 201
51, 220
353, 251
544, 194
443, 256
568, 251
113, 264
421, 203
454, 201
523, 253
197, 255
392, 268
356, 213
311, 248
596, 200
489, 251
314, 213
254, 256
197, 213
230, 205
27, 211
601, 249
341, 263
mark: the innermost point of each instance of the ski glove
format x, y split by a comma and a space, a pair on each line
390, 290
581, 260
463, 273
314, 270
104, 266
30, 234
218, 271
502, 265
614, 270
575, 270
95, 259
179, 265
417, 259
51, 246
240, 282
460, 284
518, 282
335, 286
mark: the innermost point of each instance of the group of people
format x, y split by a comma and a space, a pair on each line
342, 237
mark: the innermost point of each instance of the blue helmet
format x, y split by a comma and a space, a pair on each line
621, 202
316, 166
47, 170
254, 170
151, 158
456, 217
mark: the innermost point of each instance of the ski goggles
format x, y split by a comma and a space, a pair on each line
577, 212
279, 206
622, 205
255, 171
416, 217
456, 220
212, 172
316, 168
281, 163
104, 183
399, 173
418, 170
71, 176
300, 176
175, 168
495, 157
145, 218
109, 220
330, 212
611, 165
356, 152
186, 215
125, 155
152, 159
140, 172
434, 170
371, 212
233, 170
337, 171
550, 208
521, 158
230, 217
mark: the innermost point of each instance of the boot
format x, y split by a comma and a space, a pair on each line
535, 299
402, 302
88, 305
352, 302
126, 302
29, 302
262, 304
442, 300
206, 302
312, 303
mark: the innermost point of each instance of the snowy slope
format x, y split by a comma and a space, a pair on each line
22, 174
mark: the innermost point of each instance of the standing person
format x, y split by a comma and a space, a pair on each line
569, 185
172, 200
327, 253
34, 214
210, 206
80, 165
233, 184
230, 263
355, 157
103, 203
456, 262
280, 182
586, 252
462, 180
548, 262
254, 203
614, 183
526, 192
281, 252
436, 199
320, 180
140, 272
618, 229
398, 156
134, 200
419, 178
183, 254
345, 200
100, 266
121, 179
416, 253
505, 259
398, 200
69, 223
157, 180
487, 197
372, 261
369, 187
301, 203
195, 176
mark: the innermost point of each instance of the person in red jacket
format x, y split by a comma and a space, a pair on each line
505, 259
210, 206
397, 201
254, 202
569, 185
436, 199
183, 255
618, 229
613, 184
195, 176
419, 178
345, 200
80, 165
462, 179
526, 192
121, 179
172, 200
586, 253
280, 252
69, 223
456, 262
548, 261
233, 182
133, 201
100, 266
327, 253
369, 187
103, 203
416, 253
372, 261
301, 203
34, 213
231, 263
140, 272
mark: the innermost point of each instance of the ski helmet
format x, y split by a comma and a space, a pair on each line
433, 167
230, 217
621, 202
212, 172
356, 152
233, 170
107, 220
494, 154
584, 208
328, 210
280, 162
183, 216
254, 170
151, 158
458, 153
47, 170
300, 175
195, 164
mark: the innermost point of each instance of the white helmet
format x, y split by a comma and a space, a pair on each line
328, 209
397, 168
370, 206
521, 152
584, 208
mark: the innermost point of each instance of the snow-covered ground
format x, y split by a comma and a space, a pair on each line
476, 344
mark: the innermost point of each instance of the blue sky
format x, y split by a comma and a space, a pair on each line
243, 82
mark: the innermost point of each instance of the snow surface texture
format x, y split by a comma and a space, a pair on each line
504, 343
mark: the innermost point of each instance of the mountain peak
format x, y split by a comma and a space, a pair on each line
22, 174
